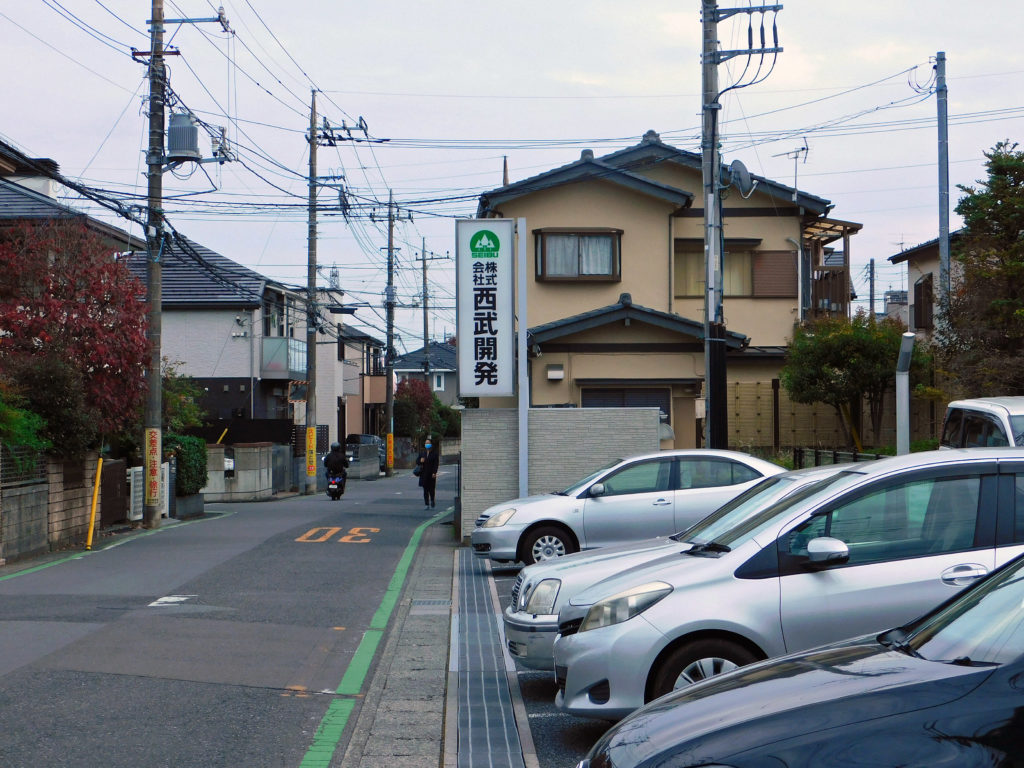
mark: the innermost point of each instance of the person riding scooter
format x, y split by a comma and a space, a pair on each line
336, 462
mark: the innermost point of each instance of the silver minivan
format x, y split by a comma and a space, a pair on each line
983, 422
861, 551
653, 494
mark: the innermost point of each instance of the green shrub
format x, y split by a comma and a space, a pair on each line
190, 476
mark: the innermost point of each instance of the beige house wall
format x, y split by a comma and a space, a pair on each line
646, 247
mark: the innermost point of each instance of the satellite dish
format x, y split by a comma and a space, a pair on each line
739, 177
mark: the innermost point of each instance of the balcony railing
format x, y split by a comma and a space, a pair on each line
283, 358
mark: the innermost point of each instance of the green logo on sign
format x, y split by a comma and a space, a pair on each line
484, 245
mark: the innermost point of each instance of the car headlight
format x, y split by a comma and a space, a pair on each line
624, 606
495, 521
542, 597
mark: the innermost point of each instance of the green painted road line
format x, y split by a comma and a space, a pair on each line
37, 568
391, 594
328, 735
359, 666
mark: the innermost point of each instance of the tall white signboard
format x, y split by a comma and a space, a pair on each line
485, 315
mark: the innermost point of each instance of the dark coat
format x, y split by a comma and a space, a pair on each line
428, 461
336, 462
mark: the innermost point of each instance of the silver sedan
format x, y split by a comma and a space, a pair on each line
630, 499
864, 550
541, 590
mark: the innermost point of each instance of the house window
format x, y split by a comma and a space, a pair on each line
578, 254
737, 277
341, 342
924, 304
744, 273
439, 382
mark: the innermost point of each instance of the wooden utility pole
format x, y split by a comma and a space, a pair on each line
152, 438
311, 310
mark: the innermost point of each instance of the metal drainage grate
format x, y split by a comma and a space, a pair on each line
431, 602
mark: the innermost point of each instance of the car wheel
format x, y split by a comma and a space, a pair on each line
696, 661
546, 543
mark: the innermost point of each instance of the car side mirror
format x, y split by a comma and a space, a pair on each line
597, 489
825, 551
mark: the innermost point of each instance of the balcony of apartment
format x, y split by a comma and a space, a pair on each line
283, 358
375, 388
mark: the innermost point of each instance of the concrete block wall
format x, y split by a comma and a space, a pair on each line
23, 522
490, 460
254, 473
566, 444
70, 501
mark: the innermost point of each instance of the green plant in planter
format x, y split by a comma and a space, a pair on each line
190, 451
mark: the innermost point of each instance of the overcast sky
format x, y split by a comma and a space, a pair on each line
456, 87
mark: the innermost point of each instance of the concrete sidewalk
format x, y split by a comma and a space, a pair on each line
444, 691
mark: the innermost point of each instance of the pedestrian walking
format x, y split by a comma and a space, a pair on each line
428, 461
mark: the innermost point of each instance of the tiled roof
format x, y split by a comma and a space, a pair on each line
623, 310
195, 276
18, 203
441, 356
618, 167
905, 255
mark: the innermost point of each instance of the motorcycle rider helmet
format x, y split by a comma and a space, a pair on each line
335, 446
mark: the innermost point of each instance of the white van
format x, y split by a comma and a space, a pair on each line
983, 421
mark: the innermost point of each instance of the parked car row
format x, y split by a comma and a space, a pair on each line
794, 561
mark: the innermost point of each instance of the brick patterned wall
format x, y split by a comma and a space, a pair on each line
566, 444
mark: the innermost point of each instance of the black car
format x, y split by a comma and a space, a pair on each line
353, 441
945, 690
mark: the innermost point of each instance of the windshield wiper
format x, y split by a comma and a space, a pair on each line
967, 661
709, 548
899, 643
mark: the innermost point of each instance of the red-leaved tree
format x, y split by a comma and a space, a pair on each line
65, 302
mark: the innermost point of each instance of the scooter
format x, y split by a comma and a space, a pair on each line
335, 486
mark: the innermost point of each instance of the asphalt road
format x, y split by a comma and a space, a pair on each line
216, 642
560, 740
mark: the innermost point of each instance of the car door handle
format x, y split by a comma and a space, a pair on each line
962, 575
660, 503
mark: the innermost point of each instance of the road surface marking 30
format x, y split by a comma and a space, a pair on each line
354, 535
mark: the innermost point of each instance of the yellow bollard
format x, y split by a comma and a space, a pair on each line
95, 495
222, 435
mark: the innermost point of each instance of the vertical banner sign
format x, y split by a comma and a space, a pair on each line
311, 451
484, 307
152, 467
390, 451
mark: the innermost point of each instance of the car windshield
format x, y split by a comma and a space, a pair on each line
575, 488
985, 626
742, 521
1017, 425
764, 492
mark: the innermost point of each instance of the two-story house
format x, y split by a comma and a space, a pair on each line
923, 294
434, 364
616, 287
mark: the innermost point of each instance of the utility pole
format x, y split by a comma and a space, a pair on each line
152, 442
941, 94
426, 333
311, 309
715, 412
715, 430
871, 288
389, 352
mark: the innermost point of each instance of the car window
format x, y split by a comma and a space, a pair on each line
644, 477
913, 519
981, 430
709, 472
576, 487
1017, 426
951, 429
1018, 505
